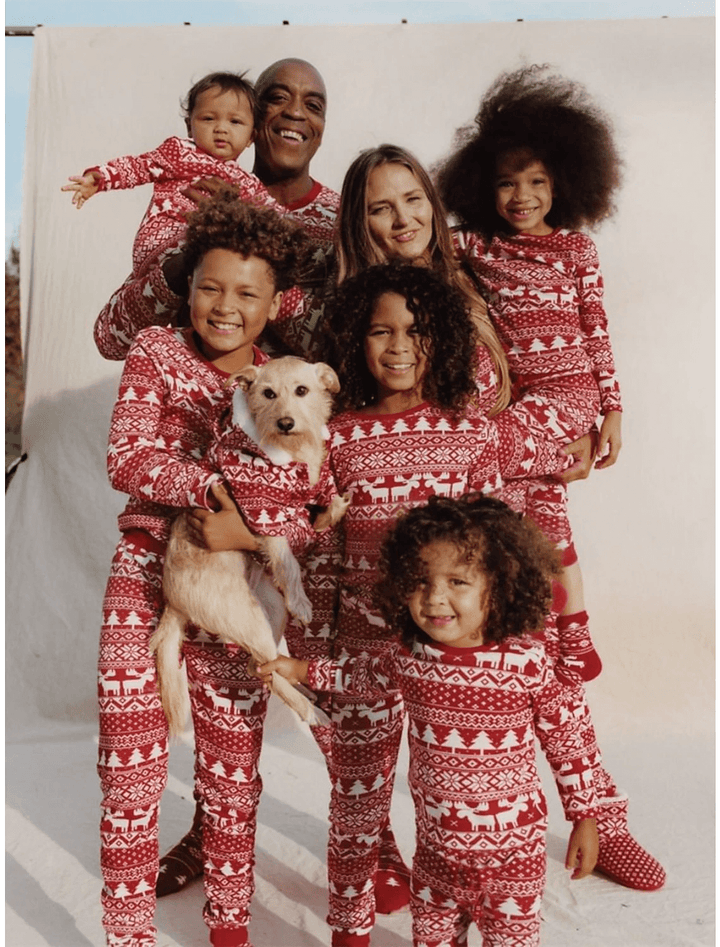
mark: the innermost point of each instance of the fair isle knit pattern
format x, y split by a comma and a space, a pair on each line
272, 491
546, 299
301, 320
145, 299
386, 463
473, 718
161, 427
171, 168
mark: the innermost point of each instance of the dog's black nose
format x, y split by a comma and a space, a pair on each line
285, 424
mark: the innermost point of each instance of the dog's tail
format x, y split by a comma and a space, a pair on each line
295, 699
172, 683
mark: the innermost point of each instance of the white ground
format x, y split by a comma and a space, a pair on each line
53, 877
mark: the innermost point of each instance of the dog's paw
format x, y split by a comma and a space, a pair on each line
299, 607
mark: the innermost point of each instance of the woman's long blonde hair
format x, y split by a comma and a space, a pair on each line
356, 249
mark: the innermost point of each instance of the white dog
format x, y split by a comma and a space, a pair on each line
273, 458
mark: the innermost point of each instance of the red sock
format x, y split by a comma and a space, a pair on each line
229, 936
578, 657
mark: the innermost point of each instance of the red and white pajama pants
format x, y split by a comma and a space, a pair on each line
499, 890
566, 408
228, 709
365, 742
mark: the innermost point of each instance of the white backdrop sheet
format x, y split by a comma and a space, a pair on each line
644, 529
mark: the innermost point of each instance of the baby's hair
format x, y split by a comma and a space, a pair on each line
510, 551
224, 222
551, 119
225, 82
445, 330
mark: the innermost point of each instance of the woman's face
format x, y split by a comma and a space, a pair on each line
399, 214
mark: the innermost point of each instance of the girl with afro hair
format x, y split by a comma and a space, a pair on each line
466, 582
540, 162
411, 424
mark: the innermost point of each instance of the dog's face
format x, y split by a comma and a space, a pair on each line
289, 399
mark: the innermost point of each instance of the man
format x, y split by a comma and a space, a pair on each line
293, 102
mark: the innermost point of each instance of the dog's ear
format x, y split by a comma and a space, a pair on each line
327, 377
245, 377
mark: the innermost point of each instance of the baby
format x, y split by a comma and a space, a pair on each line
220, 120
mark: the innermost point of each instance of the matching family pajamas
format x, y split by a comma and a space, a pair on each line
168, 401
171, 168
480, 812
386, 463
545, 295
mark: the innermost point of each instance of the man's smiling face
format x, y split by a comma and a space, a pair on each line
292, 104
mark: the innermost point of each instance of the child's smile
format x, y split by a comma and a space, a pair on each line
523, 195
394, 355
450, 603
231, 299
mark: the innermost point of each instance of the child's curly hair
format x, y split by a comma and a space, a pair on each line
510, 551
554, 121
447, 334
225, 82
224, 222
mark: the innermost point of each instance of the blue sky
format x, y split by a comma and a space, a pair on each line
18, 50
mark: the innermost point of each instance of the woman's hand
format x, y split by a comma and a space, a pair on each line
83, 187
610, 440
221, 530
582, 850
583, 451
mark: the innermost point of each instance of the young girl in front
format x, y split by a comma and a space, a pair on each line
220, 120
172, 391
413, 425
463, 583
541, 163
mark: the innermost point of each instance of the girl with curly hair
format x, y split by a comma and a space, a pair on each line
464, 583
540, 162
413, 424
172, 391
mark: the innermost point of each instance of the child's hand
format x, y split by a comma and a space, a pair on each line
293, 670
583, 452
223, 530
83, 187
582, 850
610, 440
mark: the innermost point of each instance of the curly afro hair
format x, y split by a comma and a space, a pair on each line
550, 119
508, 549
224, 222
447, 334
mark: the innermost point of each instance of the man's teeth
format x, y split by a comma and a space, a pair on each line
293, 136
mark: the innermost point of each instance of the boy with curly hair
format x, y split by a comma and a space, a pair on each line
173, 388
